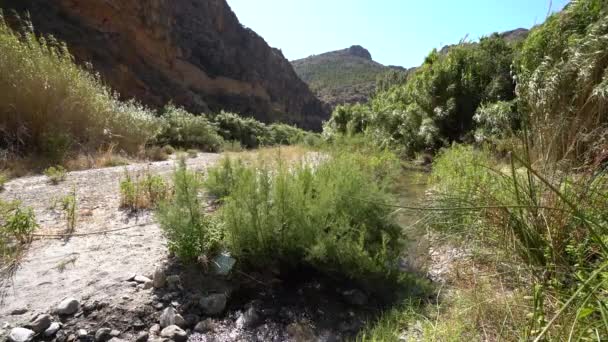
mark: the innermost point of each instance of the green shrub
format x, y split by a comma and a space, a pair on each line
143, 191
185, 130
248, 131
190, 232
56, 174
17, 224
328, 216
49, 105
221, 179
495, 121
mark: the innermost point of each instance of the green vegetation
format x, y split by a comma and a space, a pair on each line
182, 129
48, 105
56, 174
526, 196
3, 180
191, 233
56, 113
142, 191
16, 227
340, 77
69, 205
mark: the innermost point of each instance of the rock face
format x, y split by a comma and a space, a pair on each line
194, 53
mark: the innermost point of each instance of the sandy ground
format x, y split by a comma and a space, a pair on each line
85, 267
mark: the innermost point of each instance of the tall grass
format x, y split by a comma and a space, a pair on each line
553, 222
51, 106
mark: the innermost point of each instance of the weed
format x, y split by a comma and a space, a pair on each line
69, 206
191, 233
16, 227
142, 192
56, 174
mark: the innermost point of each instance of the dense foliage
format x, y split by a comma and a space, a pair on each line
437, 103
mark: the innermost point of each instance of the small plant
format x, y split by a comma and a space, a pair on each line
156, 153
221, 179
192, 153
69, 206
191, 233
56, 174
142, 192
17, 225
3, 180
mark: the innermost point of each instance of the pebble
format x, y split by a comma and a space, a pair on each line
142, 337
142, 279
68, 306
205, 326
174, 333
213, 304
82, 333
52, 329
249, 319
21, 335
19, 311
155, 329
167, 318
148, 285
103, 335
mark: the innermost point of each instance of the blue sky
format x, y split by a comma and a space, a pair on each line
397, 32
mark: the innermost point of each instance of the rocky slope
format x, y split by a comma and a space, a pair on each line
194, 53
343, 76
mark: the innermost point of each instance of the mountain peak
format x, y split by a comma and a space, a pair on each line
359, 51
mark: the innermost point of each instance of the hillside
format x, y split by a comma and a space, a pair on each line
193, 53
343, 76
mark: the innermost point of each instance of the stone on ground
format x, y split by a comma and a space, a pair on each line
175, 333
40, 323
21, 335
68, 306
213, 304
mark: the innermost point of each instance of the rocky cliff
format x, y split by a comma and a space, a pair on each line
194, 53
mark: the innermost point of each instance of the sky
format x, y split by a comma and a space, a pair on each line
396, 32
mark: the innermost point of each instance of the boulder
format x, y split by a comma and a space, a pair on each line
142, 336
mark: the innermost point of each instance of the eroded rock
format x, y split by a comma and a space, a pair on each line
40, 323
68, 306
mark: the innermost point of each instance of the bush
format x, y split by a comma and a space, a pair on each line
142, 192
56, 174
328, 216
221, 179
190, 232
49, 105
248, 131
185, 130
